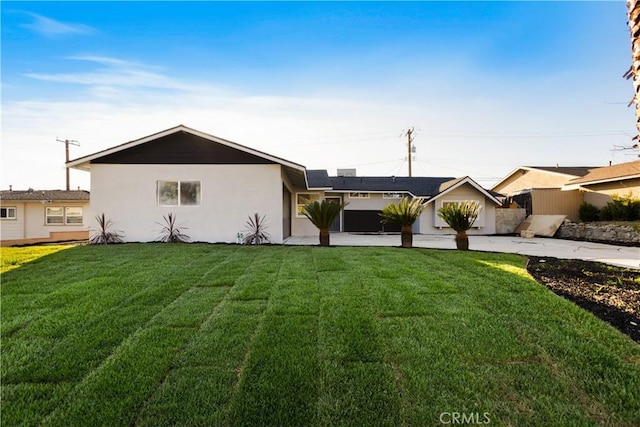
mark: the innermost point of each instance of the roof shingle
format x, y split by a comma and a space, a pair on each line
54, 195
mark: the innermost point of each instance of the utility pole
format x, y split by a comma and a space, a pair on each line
410, 147
66, 152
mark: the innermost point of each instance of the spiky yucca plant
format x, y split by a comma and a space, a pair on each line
322, 214
256, 234
171, 232
103, 236
460, 217
404, 213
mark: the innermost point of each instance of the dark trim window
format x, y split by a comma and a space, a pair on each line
8, 213
178, 193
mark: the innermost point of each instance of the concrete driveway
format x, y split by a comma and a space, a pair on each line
538, 246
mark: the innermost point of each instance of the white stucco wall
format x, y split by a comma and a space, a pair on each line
127, 194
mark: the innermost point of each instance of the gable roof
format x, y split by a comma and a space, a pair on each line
37, 195
569, 172
564, 170
621, 171
427, 187
448, 187
184, 145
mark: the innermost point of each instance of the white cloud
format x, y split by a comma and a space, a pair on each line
483, 127
51, 28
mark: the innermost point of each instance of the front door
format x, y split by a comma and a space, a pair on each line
336, 226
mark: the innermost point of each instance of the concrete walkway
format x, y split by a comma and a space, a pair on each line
538, 246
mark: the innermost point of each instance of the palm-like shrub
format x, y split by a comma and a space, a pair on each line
460, 217
103, 236
404, 213
256, 231
322, 214
172, 232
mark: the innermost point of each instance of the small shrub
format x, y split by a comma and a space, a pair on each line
256, 234
460, 217
624, 208
171, 232
322, 214
103, 235
404, 213
588, 212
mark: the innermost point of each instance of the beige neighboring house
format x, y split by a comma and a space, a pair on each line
36, 216
600, 184
540, 190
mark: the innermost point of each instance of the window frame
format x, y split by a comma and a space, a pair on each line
7, 216
66, 215
299, 206
179, 193
47, 215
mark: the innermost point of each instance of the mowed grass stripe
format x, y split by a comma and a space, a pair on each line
224, 335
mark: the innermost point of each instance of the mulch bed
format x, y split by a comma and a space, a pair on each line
611, 293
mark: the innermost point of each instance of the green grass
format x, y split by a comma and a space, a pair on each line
13, 257
165, 335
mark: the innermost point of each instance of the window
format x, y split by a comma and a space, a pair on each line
303, 199
62, 216
8, 213
73, 215
54, 216
178, 193
358, 195
392, 195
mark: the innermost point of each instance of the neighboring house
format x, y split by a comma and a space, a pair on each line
35, 216
538, 189
212, 185
600, 184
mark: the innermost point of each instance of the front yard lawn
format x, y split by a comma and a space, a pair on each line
159, 335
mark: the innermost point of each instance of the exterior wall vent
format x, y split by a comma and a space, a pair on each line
346, 172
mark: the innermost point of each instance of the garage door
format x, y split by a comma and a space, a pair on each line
366, 222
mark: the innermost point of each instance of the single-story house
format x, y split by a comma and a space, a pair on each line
34, 216
366, 196
539, 189
212, 185
600, 184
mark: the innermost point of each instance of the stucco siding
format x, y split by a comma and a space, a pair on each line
430, 222
620, 188
127, 194
375, 202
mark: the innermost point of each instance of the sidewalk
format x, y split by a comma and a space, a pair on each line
538, 246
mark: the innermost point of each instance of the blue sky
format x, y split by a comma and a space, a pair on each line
488, 86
